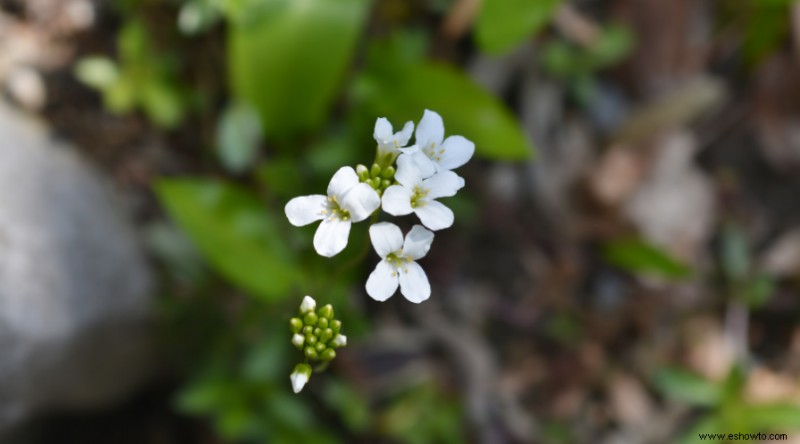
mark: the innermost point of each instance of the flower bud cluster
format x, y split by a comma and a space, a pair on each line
379, 178
317, 333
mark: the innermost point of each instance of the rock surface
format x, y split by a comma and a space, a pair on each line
75, 290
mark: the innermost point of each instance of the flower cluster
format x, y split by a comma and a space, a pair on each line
317, 334
403, 179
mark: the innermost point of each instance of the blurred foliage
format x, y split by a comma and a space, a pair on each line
745, 283
239, 136
141, 78
728, 408
639, 257
578, 65
763, 24
503, 24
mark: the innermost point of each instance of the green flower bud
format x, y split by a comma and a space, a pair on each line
388, 173
386, 183
335, 325
322, 323
328, 355
363, 172
375, 171
307, 330
320, 347
317, 332
326, 312
295, 325
311, 339
300, 376
310, 319
310, 352
326, 335
298, 340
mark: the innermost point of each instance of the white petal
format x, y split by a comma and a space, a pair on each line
404, 135
386, 238
414, 283
397, 200
444, 184
425, 166
382, 282
308, 304
331, 237
418, 242
306, 209
430, 130
342, 181
434, 215
457, 151
340, 340
361, 201
383, 131
299, 381
408, 172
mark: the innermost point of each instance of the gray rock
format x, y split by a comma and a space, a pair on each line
75, 290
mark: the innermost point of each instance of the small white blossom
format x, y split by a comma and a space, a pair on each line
435, 153
389, 142
339, 341
300, 376
397, 265
347, 201
308, 304
298, 340
418, 195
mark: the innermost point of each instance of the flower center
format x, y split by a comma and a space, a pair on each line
334, 211
398, 261
418, 198
433, 153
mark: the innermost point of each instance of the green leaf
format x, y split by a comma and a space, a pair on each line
688, 387
711, 423
615, 43
402, 92
502, 24
238, 136
290, 63
774, 417
636, 256
234, 232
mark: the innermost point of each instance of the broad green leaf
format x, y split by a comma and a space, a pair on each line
238, 136
774, 417
688, 387
711, 423
234, 232
502, 24
289, 64
636, 256
403, 91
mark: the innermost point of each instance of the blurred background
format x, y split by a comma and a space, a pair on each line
623, 267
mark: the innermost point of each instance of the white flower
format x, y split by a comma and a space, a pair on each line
300, 376
347, 201
308, 304
435, 153
388, 142
339, 341
417, 195
298, 340
397, 265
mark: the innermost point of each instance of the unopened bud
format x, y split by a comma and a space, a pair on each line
326, 311
300, 376
295, 325
386, 183
308, 305
322, 323
310, 352
363, 172
326, 335
320, 347
310, 318
298, 340
388, 173
311, 339
328, 355
335, 325
339, 341
317, 331
307, 330
375, 171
